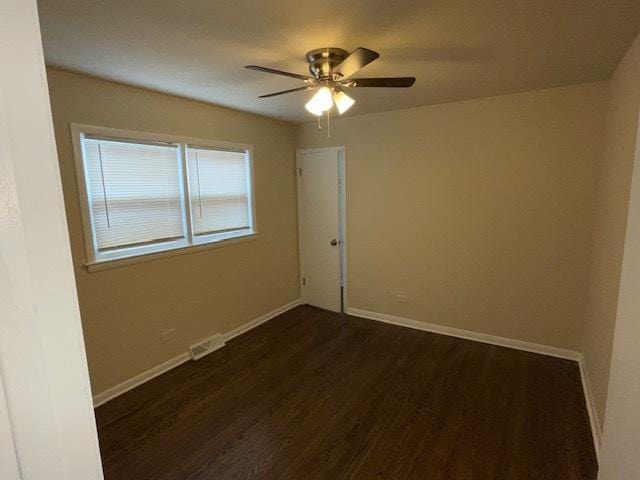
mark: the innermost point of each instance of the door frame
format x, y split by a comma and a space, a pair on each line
47, 422
342, 217
615, 456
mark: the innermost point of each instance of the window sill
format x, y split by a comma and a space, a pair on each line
123, 262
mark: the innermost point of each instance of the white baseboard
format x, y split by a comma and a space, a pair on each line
596, 429
468, 334
113, 392
260, 320
117, 390
143, 377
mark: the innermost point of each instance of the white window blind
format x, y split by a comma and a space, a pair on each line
219, 188
152, 193
134, 192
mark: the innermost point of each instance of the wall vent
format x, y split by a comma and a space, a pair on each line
206, 346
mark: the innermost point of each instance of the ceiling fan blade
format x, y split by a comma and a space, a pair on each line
355, 61
310, 87
391, 82
279, 72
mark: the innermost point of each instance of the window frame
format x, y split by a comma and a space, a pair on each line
217, 236
190, 243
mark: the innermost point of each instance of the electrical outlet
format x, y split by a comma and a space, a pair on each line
168, 335
402, 298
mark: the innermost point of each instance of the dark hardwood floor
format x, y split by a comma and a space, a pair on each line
317, 395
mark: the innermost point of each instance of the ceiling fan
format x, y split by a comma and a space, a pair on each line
332, 71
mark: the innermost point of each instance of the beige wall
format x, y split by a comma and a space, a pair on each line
479, 211
482, 215
610, 221
199, 294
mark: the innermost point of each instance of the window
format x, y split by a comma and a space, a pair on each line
218, 193
148, 193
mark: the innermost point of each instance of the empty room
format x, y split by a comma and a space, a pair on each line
332, 240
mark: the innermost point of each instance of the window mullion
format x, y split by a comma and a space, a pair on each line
186, 194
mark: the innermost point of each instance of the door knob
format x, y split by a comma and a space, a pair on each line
334, 242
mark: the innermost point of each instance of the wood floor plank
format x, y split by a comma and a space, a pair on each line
317, 395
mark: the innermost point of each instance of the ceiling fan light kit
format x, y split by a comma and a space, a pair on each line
331, 71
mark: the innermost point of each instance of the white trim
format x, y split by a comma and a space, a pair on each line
137, 253
117, 390
342, 206
113, 392
8, 456
594, 422
157, 137
148, 257
260, 320
468, 335
42, 356
596, 429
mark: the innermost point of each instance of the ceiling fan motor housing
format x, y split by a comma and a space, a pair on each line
323, 60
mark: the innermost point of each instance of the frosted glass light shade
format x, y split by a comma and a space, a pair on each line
343, 101
320, 102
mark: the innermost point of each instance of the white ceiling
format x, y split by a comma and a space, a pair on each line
457, 49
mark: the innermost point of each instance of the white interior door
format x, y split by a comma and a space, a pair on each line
319, 220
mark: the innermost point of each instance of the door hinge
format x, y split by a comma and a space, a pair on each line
300, 171
304, 281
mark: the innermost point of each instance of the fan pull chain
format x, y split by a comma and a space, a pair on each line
329, 123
